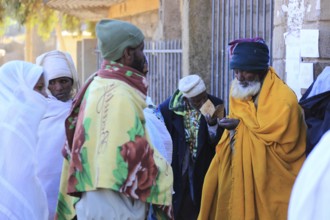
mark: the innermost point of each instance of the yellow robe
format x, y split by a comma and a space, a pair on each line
254, 179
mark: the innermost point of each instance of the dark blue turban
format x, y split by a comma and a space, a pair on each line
249, 54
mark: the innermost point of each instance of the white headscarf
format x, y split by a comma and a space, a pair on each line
21, 110
322, 83
58, 64
17, 80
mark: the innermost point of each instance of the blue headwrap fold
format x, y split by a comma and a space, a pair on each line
249, 54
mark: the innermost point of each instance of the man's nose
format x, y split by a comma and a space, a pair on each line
58, 86
239, 76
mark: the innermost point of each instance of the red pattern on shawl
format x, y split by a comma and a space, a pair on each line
118, 71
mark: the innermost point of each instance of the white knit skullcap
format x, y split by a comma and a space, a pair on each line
58, 64
191, 85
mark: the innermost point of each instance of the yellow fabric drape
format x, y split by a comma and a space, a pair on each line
254, 180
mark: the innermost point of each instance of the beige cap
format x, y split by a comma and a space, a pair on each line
191, 85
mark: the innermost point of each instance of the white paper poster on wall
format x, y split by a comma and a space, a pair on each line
309, 41
292, 81
306, 76
292, 46
292, 62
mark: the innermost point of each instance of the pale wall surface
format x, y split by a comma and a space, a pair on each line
292, 16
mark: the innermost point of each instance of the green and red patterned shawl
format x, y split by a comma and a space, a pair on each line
107, 144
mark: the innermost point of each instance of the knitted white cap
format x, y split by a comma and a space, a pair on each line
191, 85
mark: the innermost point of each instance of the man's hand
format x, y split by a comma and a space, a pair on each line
210, 121
228, 123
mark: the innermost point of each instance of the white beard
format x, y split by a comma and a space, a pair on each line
250, 88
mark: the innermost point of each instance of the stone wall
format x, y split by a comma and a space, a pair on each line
147, 22
291, 18
196, 37
163, 23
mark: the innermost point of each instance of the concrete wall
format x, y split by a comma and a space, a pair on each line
170, 18
158, 19
88, 58
196, 37
147, 22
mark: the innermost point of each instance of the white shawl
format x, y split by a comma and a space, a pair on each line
21, 109
51, 140
310, 197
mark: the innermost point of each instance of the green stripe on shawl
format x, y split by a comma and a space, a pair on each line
177, 104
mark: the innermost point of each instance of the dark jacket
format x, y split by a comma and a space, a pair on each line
205, 153
317, 116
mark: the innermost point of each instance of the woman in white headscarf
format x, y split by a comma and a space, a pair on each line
21, 110
63, 84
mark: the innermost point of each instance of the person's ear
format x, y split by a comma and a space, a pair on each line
127, 56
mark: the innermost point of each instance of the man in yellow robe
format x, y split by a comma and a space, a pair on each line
263, 146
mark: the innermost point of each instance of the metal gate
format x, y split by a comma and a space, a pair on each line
165, 63
165, 59
233, 19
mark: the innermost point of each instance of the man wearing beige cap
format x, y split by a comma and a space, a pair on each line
112, 165
194, 133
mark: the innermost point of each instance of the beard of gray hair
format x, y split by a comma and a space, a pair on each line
244, 93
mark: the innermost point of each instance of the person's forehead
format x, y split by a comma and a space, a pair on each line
199, 96
62, 78
245, 71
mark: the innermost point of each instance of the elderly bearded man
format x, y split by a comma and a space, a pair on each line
263, 146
